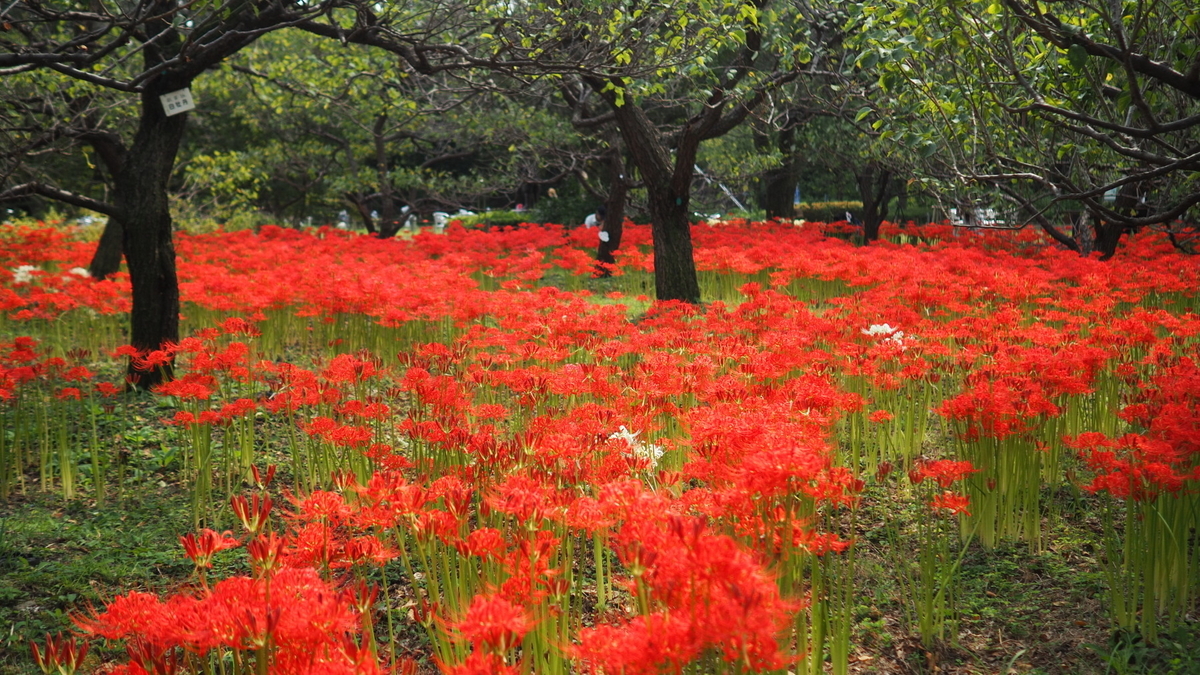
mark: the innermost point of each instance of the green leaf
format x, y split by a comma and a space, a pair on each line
862, 113
1077, 56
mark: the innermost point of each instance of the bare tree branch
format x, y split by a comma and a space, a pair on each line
51, 192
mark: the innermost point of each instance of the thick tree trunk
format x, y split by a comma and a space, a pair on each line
668, 182
1108, 237
141, 195
1084, 234
614, 207
389, 224
778, 187
779, 190
674, 261
873, 189
363, 211
107, 259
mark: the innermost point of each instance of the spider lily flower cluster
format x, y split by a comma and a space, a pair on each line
560, 488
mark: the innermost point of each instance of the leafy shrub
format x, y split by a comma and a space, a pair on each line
827, 212
489, 219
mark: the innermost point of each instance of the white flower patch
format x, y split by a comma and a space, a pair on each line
24, 274
879, 329
638, 449
889, 333
80, 272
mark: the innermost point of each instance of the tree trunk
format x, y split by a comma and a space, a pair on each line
141, 195
107, 259
668, 182
1108, 238
778, 187
873, 183
779, 190
614, 208
364, 212
674, 261
1084, 234
389, 224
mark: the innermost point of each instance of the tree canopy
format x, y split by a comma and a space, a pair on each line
1068, 105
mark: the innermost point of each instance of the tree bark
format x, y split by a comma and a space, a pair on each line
668, 190
141, 195
674, 260
873, 189
778, 187
614, 208
360, 207
1108, 237
107, 259
389, 223
1084, 234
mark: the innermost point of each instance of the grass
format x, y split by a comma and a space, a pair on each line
60, 558
1019, 611
1041, 613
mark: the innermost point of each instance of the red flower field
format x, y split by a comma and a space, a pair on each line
561, 476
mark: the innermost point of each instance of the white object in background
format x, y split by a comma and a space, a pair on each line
440, 218
177, 102
603, 236
590, 221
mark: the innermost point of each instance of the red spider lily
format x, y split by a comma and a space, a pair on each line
62, 655
486, 543
148, 658
362, 597
368, 549
200, 549
238, 326
426, 612
952, 503
297, 612
495, 441
129, 614
78, 374
154, 358
322, 506
263, 480
238, 408
883, 471
190, 387
266, 553
493, 624
944, 471
253, 514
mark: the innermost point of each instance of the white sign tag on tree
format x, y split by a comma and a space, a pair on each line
177, 102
